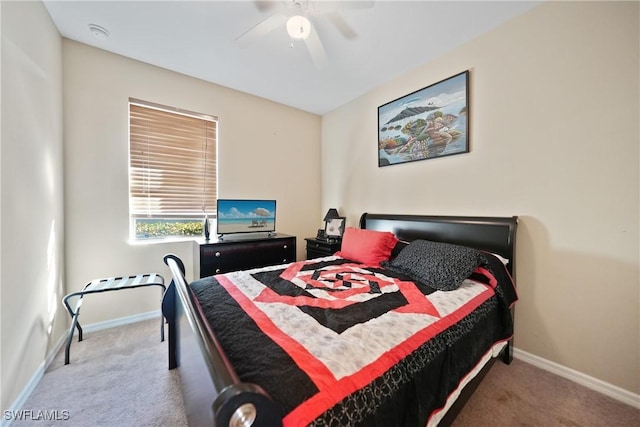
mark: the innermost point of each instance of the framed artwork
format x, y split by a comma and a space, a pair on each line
425, 124
334, 228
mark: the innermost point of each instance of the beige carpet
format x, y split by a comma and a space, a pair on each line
119, 377
521, 394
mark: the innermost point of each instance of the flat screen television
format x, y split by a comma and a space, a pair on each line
245, 216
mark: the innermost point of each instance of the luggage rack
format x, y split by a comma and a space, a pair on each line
106, 285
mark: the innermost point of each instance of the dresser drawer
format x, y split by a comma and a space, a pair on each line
247, 254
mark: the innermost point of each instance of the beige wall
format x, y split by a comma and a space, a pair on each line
266, 150
32, 221
554, 139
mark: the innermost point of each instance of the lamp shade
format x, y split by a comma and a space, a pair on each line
331, 213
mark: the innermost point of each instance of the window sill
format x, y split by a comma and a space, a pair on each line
156, 241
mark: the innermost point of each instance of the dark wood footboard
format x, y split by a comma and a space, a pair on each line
214, 396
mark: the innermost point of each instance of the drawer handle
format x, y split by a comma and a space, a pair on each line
284, 260
285, 246
217, 270
218, 254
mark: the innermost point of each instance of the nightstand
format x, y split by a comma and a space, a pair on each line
320, 248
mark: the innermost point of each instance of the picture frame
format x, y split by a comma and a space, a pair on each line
429, 123
334, 228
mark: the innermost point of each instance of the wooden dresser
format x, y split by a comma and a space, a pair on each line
243, 253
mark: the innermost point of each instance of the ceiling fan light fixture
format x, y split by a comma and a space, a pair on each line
298, 27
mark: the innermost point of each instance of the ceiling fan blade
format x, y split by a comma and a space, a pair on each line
265, 5
342, 26
261, 29
333, 6
316, 50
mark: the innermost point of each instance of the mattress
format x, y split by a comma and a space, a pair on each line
335, 342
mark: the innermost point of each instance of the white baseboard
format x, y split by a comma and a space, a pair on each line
93, 327
23, 396
33, 382
592, 383
35, 379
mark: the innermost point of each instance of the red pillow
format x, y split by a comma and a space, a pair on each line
367, 246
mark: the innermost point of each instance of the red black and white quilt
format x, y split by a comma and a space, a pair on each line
339, 343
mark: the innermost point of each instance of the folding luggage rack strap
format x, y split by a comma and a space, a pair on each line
106, 285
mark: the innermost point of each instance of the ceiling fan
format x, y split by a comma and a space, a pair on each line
297, 17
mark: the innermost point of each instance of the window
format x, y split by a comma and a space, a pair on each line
172, 170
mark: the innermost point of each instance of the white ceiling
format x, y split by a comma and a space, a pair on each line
197, 38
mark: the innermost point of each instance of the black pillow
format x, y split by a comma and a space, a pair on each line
442, 266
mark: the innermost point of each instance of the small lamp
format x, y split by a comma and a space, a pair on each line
331, 214
333, 225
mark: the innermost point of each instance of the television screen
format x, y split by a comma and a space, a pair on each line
245, 216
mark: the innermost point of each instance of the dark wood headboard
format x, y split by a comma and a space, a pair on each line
491, 234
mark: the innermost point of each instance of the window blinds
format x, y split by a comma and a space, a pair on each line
172, 166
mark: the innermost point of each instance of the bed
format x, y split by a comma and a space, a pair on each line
345, 340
